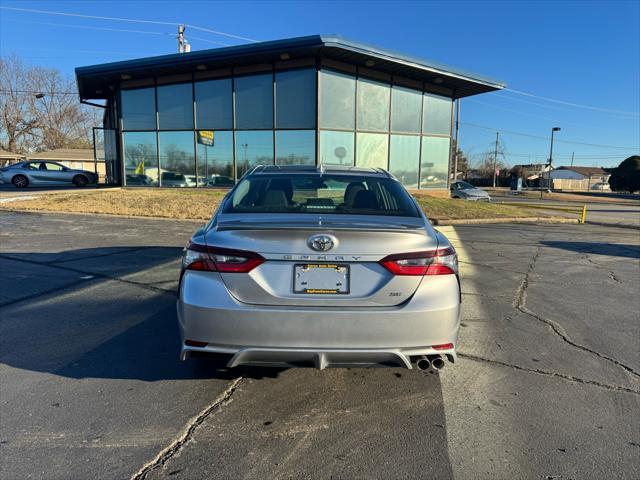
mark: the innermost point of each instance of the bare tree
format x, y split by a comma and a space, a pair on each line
55, 120
16, 122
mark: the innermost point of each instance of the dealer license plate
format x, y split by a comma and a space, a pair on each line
321, 278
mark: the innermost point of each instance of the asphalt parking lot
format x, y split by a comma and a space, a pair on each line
547, 385
598, 213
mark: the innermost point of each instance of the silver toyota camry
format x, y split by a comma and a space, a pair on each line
324, 267
36, 173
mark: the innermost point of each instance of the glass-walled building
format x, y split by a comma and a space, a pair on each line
203, 119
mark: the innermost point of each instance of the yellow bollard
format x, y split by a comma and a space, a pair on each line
583, 218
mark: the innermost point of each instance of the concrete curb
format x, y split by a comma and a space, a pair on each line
479, 221
53, 191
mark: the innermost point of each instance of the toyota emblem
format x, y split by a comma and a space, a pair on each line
322, 243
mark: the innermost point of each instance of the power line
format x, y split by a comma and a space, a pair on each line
35, 92
121, 19
91, 27
571, 104
532, 114
191, 37
499, 94
547, 138
125, 30
110, 52
208, 30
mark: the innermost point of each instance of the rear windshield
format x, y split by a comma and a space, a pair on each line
315, 193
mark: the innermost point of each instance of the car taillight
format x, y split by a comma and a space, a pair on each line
442, 261
215, 259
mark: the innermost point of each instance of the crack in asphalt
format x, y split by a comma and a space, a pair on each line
74, 284
519, 303
611, 273
187, 434
569, 378
612, 276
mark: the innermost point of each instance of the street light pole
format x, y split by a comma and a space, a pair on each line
553, 131
495, 159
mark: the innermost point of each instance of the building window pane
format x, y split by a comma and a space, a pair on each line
177, 159
215, 159
253, 148
139, 109
175, 106
372, 150
213, 104
406, 108
336, 148
435, 162
337, 100
373, 105
296, 99
254, 101
296, 147
140, 159
436, 115
404, 159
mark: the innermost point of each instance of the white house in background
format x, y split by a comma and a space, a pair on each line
9, 158
596, 174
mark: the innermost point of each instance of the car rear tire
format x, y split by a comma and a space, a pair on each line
80, 181
20, 181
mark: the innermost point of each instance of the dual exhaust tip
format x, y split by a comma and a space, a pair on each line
434, 361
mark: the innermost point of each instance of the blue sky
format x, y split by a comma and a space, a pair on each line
581, 52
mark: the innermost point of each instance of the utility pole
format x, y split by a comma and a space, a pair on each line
455, 152
495, 159
181, 41
572, 154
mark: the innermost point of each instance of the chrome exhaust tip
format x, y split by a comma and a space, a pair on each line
437, 362
423, 363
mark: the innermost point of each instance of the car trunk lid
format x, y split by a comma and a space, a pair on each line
359, 242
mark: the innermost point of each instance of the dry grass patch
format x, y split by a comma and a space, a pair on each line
199, 204
180, 203
454, 209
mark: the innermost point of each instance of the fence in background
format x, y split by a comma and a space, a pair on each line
569, 185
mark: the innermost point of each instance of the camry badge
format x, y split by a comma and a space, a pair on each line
321, 243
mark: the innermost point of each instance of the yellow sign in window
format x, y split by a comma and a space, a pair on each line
206, 137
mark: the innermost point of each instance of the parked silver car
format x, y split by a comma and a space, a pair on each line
320, 267
37, 173
466, 191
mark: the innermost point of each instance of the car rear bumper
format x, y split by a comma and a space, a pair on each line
318, 336
478, 199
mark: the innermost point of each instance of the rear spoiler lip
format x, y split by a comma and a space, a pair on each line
220, 227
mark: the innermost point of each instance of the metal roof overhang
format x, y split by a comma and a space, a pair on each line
97, 81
